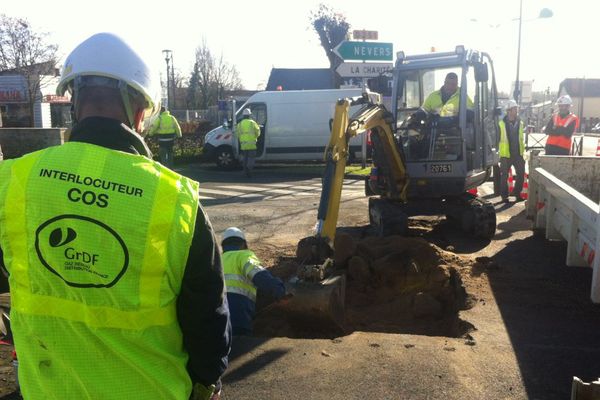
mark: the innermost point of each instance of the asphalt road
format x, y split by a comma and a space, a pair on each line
536, 327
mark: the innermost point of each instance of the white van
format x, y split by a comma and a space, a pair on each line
294, 126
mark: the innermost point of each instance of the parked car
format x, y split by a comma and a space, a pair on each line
596, 128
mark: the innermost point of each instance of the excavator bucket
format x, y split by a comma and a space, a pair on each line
319, 304
317, 295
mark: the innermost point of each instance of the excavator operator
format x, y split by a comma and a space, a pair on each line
446, 100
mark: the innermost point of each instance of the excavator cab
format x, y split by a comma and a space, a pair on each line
448, 142
449, 149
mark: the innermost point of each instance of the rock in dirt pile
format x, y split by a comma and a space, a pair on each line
394, 284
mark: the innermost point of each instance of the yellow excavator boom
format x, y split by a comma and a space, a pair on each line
377, 119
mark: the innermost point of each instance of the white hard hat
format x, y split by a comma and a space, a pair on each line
511, 104
246, 112
564, 99
233, 232
107, 55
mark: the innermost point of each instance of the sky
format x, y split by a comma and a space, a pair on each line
257, 36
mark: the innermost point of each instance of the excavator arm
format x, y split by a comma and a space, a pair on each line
319, 295
377, 119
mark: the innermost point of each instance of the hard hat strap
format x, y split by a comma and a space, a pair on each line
127, 103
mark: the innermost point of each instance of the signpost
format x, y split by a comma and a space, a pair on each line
368, 51
364, 51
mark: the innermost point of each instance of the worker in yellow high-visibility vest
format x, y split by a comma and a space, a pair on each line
244, 274
166, 128
117, 289
511, 149
446, 100
247, 132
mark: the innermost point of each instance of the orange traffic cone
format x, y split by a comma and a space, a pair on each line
511, 184
525, 191
511, 181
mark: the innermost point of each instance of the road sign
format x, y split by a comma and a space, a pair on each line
365, 35
372, 51
362, 70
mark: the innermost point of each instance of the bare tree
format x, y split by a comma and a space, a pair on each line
210, 77
332, 28
27, 53
226, 77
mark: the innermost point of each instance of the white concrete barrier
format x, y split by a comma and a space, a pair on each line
558, 206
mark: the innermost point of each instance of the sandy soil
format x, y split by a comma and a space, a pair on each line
394, 284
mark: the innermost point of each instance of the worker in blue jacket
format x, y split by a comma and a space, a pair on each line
243, 276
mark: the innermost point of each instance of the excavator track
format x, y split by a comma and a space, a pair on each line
387, 218
474, 215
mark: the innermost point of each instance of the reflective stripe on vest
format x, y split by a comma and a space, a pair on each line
239, 268
564, 122
96, 243
504, 145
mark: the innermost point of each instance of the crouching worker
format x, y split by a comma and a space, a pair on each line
243, 276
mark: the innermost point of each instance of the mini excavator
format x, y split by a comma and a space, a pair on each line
424, 163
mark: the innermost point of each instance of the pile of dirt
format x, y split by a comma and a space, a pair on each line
394, 284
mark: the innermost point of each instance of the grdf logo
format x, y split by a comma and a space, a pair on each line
82, 251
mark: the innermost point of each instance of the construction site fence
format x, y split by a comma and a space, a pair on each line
212, 114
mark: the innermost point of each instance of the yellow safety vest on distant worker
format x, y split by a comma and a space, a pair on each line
504, 146
248, 131
166, 127
96, 250
433, 104
239, 268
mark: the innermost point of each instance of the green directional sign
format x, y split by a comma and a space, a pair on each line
372, 51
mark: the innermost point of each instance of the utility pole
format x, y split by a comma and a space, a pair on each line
517, 92
173, 84
168, 57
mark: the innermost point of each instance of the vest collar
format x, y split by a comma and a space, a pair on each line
109, 133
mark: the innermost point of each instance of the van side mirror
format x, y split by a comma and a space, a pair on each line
481, 72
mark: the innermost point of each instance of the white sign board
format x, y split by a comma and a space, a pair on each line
362, 70
365, 35
526, 91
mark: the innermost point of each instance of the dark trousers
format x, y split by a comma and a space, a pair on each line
165, 152
248, 157
505, 163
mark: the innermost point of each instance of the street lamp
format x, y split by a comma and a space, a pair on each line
168, 58
544, 13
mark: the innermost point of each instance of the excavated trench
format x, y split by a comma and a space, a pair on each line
393, 284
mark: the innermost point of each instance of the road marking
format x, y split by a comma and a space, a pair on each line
276, 191
258, 189
221, 192
306, 187
245, 188
283, 185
